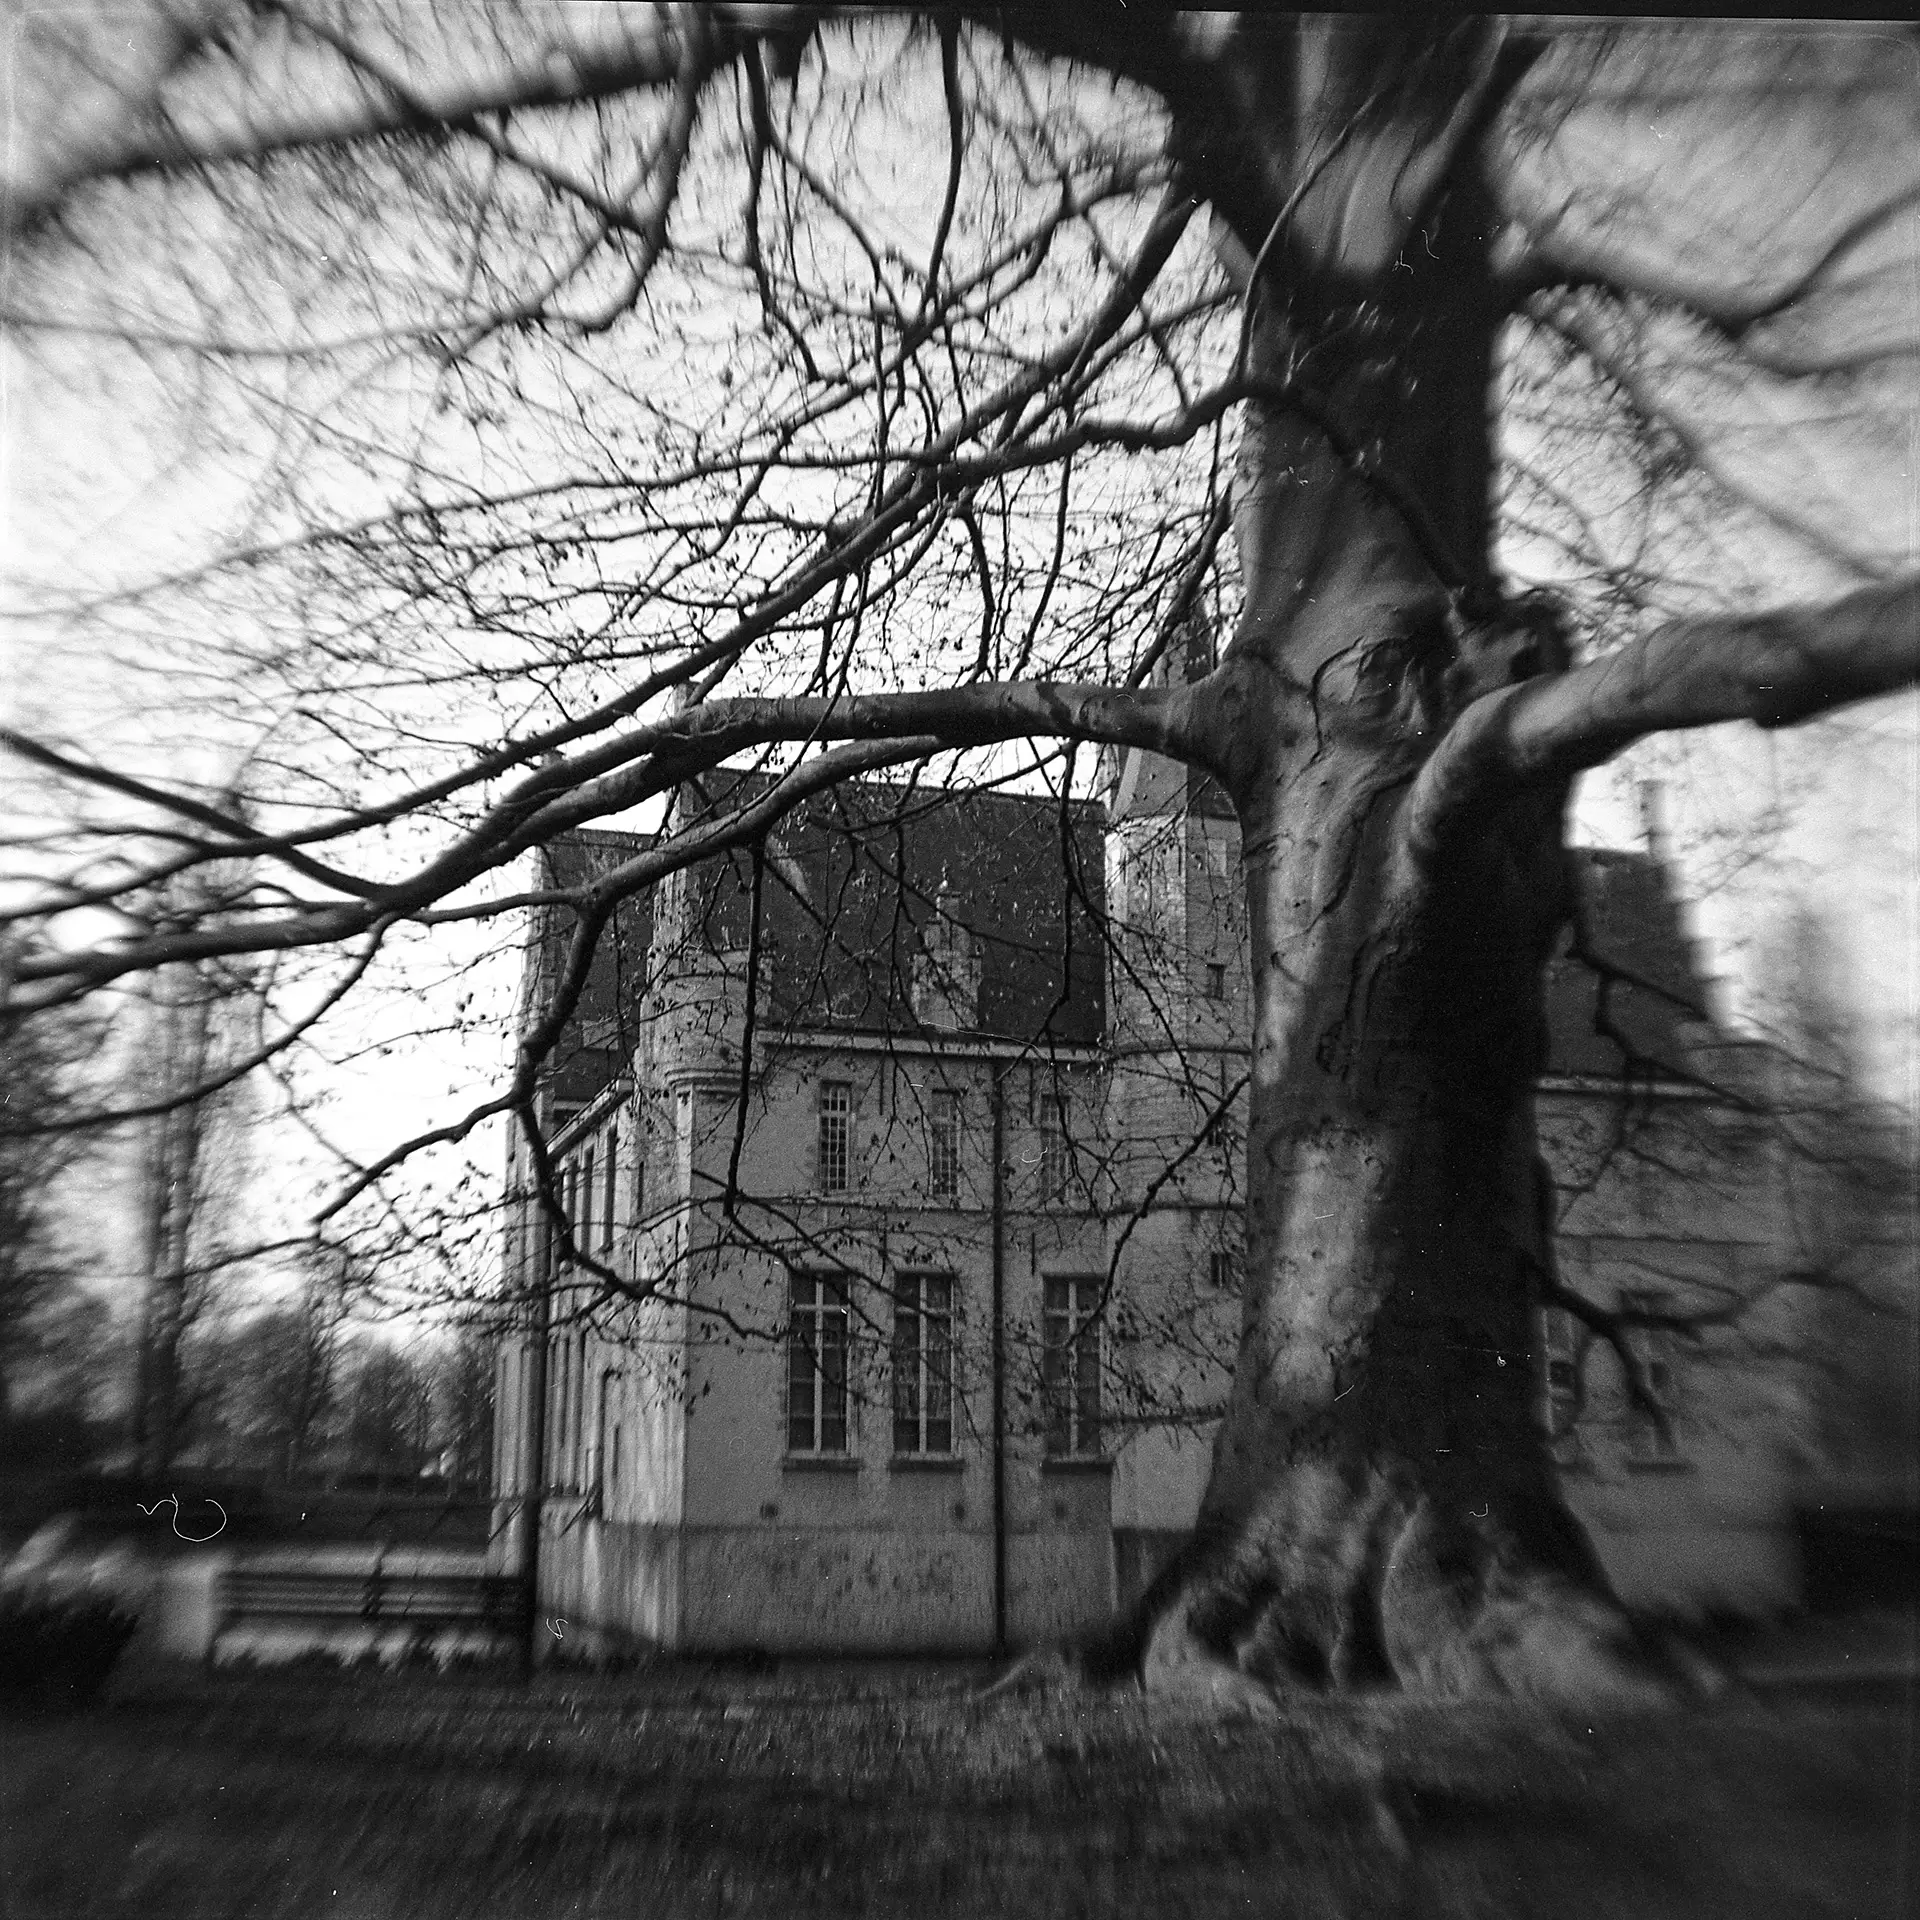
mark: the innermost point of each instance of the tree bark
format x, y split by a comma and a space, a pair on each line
1381, 1507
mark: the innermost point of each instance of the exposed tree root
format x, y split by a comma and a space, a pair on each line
1321, 1594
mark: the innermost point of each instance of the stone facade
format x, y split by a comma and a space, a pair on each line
927, 1304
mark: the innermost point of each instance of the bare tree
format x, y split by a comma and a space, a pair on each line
460, 1374
279, 1375
190, 1167
40, 1066
708, 428
387, 1407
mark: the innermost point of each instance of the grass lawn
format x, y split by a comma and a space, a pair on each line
840, 1790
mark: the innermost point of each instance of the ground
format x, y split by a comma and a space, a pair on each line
689, 1789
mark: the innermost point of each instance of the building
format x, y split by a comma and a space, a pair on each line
913, 1144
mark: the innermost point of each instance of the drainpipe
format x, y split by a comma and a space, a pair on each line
999, 1362
532, 1473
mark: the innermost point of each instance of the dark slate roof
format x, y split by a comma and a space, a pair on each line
858, 883
1627, 1016
861, 880
601, 1037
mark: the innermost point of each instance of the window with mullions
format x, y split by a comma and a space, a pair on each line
565, 1360
1055, 1149
1070, 1366
1650, 1438
1560, 1383
817, 1364
603, 1473
683, 1132
610, 1197
836, 1135
554, 1438
943, 1145
923, 1364
568, 1184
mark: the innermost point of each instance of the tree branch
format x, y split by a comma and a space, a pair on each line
132, 139
903, 726
1773, 668
1580, 327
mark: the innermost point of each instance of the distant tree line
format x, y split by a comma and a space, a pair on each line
302, 1400
289, 1395
38, 1069
192, 1375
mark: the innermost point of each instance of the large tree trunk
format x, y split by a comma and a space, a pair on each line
1381, 1506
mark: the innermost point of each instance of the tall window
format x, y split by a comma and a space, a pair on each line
576, 1385
570, 1198
563, 1371
817, 1364
1070, 1366
683, 1128
609, 1199
604, 1472
1146, 886
923, 1364
836, 1135
583, 1222
1054, 1154
1561, 1384
943, 1146
1649, 1438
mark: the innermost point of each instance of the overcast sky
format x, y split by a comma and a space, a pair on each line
101, 482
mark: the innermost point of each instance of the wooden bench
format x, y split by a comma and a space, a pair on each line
376, 1596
